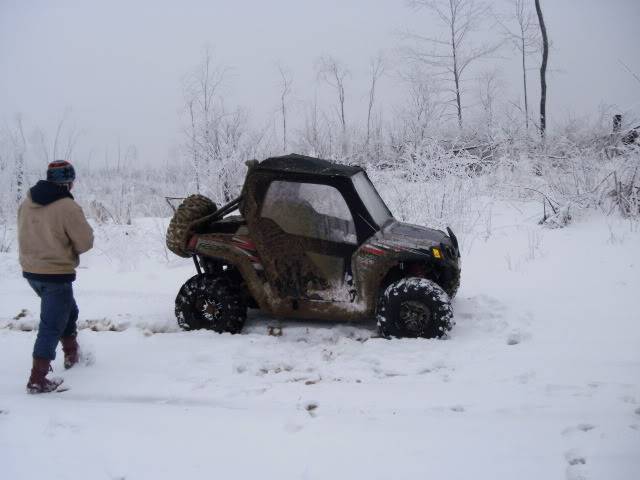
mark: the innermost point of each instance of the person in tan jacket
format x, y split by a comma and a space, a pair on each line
52, 233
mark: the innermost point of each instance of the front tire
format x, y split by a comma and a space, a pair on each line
414, 308
210, 302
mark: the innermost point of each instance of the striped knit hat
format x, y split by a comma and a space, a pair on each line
60, 171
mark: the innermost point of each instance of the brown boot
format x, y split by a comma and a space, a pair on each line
70, 349
38, 381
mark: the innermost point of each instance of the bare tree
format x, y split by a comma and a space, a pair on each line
19, 146
332, 72
376, 70
214, 134
4, 141
64, 141
286, 80
310, 137
193, 150
56, 140
489, 84
631, 72
452, 54
543, 70
201, 89
315, 136
422, 107
40, 142
525, 37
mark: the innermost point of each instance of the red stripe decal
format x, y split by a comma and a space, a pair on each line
372, 250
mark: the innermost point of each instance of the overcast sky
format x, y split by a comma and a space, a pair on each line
119, 65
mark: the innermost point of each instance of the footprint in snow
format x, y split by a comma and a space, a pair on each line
525, 377
574, 457
576, 465
582, 427
380, 373
311, 407
516, 337
87, 357
585, 427
436, 367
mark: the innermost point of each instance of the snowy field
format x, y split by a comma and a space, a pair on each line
540, 378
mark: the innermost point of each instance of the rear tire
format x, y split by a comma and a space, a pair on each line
414, 307
210, 302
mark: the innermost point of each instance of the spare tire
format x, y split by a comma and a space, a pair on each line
192, 208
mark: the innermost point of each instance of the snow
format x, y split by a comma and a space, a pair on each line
540, 378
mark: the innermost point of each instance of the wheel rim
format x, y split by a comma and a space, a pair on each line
414, 315
207, 309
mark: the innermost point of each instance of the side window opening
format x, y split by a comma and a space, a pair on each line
310, 210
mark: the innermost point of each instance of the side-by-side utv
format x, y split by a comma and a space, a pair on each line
313, 240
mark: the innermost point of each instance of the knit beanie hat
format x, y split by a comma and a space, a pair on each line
61, 171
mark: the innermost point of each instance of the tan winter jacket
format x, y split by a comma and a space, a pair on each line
51, 237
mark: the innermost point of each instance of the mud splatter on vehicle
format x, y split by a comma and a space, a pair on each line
313, 240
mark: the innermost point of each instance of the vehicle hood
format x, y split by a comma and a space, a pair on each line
399, 235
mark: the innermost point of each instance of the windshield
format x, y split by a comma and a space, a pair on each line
372, 201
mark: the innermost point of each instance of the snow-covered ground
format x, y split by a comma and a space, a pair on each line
540, 378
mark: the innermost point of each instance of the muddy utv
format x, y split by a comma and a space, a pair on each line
313, 240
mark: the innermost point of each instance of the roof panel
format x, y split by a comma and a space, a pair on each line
310, 165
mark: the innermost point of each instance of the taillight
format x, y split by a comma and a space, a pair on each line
193, 241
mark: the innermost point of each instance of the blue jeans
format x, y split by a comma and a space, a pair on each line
58, 316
